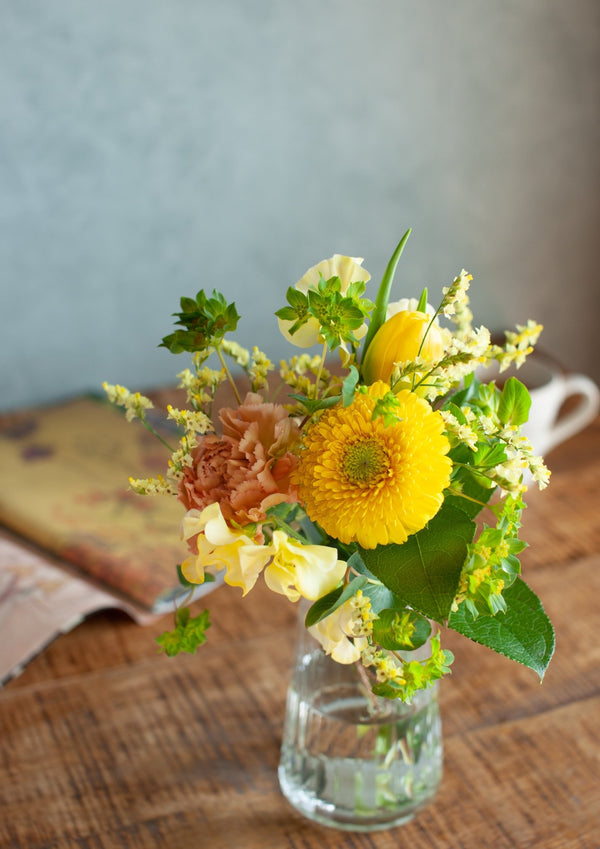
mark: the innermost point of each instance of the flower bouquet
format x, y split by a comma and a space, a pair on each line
355, 487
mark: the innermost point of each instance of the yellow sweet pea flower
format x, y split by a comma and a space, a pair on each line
219, 547
399, 340
310, 571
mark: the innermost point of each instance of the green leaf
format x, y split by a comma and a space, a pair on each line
208, 578
524, 633
330, 602
349, 386
287, 313
188, 634
311, 405
425, 570
383, 295
399, 630
488, 455
515, 402
379, 595
312, 532
188, 304
476, 490
182, 579
356, 289
422, 305
387, 690
206, 320
297, 299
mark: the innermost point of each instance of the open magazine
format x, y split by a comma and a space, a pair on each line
64, 498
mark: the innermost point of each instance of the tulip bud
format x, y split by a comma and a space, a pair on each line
398, 340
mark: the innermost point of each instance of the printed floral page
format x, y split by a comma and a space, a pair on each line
64, 485
39, 600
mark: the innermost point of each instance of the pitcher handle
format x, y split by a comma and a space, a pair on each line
585, 412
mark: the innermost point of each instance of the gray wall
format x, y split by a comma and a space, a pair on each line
149, 148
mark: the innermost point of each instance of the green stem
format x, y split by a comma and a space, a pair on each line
287, 528
406, 755
320, 370
156, 434
228, 374
372, 702
472, 468
356, 574
459, 494
433, 318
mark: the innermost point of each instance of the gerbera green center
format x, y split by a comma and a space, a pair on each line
365, 462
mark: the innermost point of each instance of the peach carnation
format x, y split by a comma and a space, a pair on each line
248, 469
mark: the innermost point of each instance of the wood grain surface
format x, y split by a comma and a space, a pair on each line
105, 743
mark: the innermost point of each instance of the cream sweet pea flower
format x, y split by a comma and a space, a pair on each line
310, 571
219, 547
349, 270
336, 634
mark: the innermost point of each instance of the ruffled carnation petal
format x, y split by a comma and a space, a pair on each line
249, 468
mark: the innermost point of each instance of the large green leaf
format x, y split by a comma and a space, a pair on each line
425, 570
523, 633
515, 402
379, 595
474, 496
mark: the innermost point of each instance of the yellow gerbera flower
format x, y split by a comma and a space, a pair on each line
367, 483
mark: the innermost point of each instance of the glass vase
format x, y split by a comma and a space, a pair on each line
352, 760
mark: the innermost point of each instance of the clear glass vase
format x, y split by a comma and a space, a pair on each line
352, 760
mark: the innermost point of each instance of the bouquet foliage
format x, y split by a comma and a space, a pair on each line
358, 486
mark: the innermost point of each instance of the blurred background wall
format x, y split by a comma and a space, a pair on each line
149, 148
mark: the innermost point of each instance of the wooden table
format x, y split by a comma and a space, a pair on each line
105, 743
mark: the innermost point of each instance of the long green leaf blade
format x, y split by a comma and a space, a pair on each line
383, 295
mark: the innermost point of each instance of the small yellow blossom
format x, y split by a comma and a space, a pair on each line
518, 345
362, 619
455, 295
462, 432
299, 372
387, 667
259, 369
182, 458
192, 420
200, 385
237, 352
539, 471
135, 404
152, 486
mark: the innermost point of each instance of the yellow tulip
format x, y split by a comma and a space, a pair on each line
399, 340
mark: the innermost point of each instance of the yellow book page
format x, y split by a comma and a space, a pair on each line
64, 485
